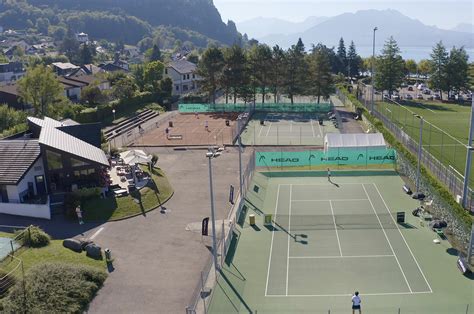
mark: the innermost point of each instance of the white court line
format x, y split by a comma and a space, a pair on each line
271, 245
312, 127
320, 131
386, 237
269, 127
96, 233
342, 256
291, 127
334, 200
348, 294
419, 268
335, 228
289, 232
260, 133
318, 184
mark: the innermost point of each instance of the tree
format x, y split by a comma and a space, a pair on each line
424, 67
138, 72
438, 63
234, 71
85, 54
457, 70
124, 88
341, 57
40, 88
154, 53
261, 57
296, 71
277, 72
70, 46
42, 25
411, 68
92, 95
166, 87
153, 73
210, 70
353, 61
390, 67
320, 72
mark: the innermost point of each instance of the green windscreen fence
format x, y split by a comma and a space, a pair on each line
340, 157
266, 107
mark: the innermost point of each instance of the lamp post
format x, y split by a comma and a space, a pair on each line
372, 72
240, 157
467, 170
212, 154
113, 111
420, 148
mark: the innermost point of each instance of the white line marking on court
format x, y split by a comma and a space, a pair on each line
320, 131
386, 237
291, 127
348, 294
312, 127
96, 233
289, 232
343, 256
334, 200
269, 127
409, 249
271, 245
335, 228
260, 133
327, 184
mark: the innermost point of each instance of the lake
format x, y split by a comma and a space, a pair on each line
415, 53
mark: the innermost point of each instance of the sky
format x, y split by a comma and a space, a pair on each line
441, 13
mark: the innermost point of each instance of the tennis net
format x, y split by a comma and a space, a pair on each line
341, 222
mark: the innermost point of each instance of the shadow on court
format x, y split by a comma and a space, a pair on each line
298, 238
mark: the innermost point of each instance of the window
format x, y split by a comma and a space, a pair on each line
194, 76
177, 87
78, 163
187, 76
185, 87
54, 160
166, 71
184, 77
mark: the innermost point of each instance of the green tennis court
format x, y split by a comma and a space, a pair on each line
287, 129
329, 239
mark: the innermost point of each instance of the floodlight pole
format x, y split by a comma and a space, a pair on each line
213, 218
240, 157
420, 149
372, 72
467, 170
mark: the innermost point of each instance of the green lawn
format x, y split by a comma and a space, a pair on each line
148, 198
451, 118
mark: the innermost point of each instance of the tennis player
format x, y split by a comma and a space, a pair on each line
356, 302
329, 175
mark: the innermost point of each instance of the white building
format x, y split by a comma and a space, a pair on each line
82, 37
184, 77
11, 72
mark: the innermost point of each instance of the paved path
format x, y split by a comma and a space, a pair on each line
349, 124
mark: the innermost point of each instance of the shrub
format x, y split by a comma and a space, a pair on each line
35, 237
55, 288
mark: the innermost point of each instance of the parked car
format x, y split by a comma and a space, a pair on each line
459, 97
426, 91
437, 96
410, 88
421, 86
419, 96
396, 97
408, 97
430, 97
451, 97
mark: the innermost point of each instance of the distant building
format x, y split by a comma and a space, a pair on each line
11, 72
63, 68
82, 37
116, 65
184, 77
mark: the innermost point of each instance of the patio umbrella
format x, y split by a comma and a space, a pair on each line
135, 156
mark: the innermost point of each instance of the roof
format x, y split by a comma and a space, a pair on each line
69, 122
65, 65
84, 79
70, 83
62, 141
183, 66
46, 122
16, 158
335, 140
10, 89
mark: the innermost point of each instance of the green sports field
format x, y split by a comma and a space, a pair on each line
451, 118
329, 239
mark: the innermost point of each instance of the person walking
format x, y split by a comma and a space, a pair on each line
206, 126
79, 215
356, 302
329, 175
167, 131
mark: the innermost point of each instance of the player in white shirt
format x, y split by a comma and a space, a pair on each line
356, 302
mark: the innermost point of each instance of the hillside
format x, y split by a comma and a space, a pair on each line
358, 27
464, 27
127, 20
262, 26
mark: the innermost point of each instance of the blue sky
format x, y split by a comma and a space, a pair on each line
442, 13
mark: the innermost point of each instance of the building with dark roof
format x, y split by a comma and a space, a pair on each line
50, 159
184, 77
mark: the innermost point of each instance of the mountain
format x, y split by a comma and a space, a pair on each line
464, 27
358, 27
126, 20
262, 26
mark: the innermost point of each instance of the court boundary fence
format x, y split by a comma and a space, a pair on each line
447, 175
203, 292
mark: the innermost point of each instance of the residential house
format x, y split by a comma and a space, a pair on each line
72, 89
116, 65
64, 68
82, 38
87, 69
9, 95
48, 160
184, 77
11, 72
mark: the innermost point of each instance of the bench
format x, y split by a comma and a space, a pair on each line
175, 137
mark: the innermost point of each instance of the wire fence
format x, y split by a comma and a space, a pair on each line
202, 295
441, 152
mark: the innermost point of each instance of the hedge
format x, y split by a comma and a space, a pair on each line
459, 211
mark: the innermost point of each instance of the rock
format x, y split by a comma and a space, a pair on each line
93, 250
73, 244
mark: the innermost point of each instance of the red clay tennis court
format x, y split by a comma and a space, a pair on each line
190, 129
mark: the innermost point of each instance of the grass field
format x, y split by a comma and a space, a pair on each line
329, 239
451, 118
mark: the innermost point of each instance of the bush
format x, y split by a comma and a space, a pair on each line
35, 237
55, 288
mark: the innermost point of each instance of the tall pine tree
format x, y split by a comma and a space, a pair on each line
438, 63
457, 70
320, 72
353, 61
342, 57
210, 70
390, 67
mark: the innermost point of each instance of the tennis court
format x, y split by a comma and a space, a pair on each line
190, 129
287, 129
329, 239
